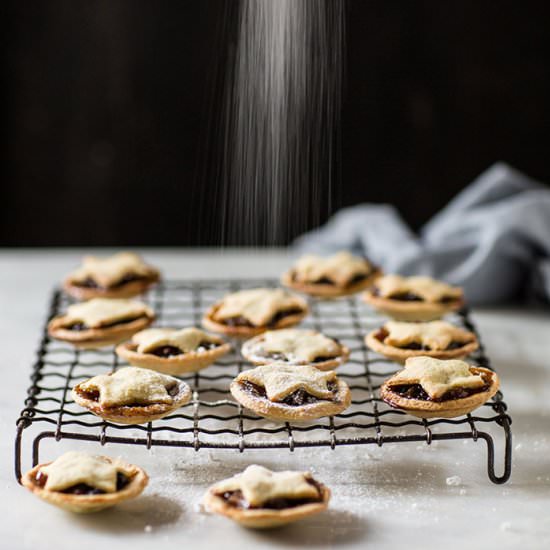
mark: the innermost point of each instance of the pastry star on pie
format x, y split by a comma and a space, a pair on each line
132, 395
440, 339
339, 275
173, 351
120, 276
429, 387
416, 298
295, 347
291, 392
250, 312
84, 483
261, 498
100, 322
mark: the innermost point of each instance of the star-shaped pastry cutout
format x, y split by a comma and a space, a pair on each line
437, 376
100, 311
260, 485
435, 334
298, 344
427, 288
280, 380
257, 305
187, 339
340, 268
74, 467
109, 271
131, 386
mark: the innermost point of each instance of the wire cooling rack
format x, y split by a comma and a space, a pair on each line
214, 420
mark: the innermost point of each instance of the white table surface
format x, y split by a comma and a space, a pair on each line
389, 497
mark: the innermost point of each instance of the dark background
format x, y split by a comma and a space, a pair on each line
106, 108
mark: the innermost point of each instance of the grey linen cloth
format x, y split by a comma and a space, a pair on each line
493, 238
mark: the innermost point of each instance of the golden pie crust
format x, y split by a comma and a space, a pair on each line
133, 414
148, 276
84, 504
374, 341
249, 348
190, 361
265, 518
97, 337
340, 399
211, 322
401, 310
331, 268
444, 409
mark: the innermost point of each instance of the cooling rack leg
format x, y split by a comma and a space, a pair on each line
491, 455
18, 436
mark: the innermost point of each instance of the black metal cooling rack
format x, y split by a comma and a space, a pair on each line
214, 420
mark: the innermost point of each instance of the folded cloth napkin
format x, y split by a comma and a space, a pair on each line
493, 238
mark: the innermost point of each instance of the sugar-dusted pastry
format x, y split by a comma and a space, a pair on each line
429, 387
261, 498
291, 392
85, 483
413, 298
440, 339
249, 312
100, 322
173, 351
338, 275
132, 395
120, 276
295, 346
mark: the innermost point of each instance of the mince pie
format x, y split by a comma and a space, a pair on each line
120, 276
82, 483
295, 346
173, 351
440, 339
132, 395
338, 275
100, 322
291, 392
413, 298
261, 498
249, 312
429, 387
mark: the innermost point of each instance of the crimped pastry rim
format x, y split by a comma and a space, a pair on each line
323, 290
400, 355
329, 364
191, 361
124, 414
444, 409
264, 517
277, 411
89, 503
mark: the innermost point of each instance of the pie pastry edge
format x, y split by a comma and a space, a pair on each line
450, 408
264, 517
83, 504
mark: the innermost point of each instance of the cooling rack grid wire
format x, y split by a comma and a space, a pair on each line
214, 420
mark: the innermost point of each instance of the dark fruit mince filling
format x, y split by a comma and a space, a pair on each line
415, 391
89, 282
295, 399
79, 326
412, 297
282, 357
236, 499
83, 488
170, 351
241, 321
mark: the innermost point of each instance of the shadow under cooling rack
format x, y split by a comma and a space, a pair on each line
213, 419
